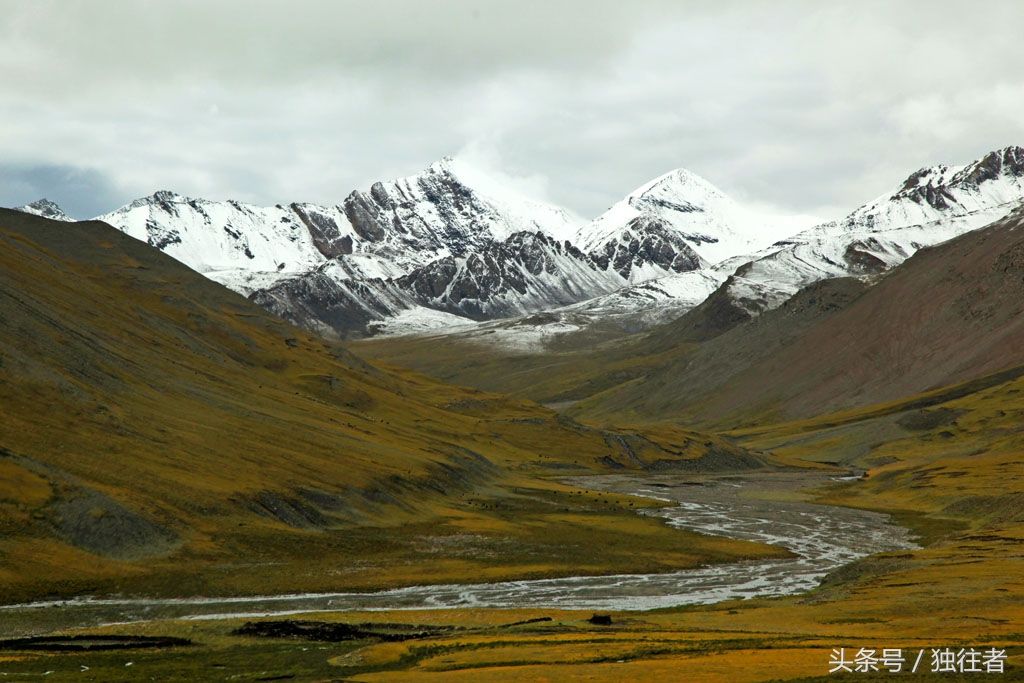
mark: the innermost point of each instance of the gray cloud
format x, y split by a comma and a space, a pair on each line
81, 192
802, 106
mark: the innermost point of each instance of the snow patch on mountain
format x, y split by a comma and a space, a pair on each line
47, 209
675, 223
232, 242
419, 320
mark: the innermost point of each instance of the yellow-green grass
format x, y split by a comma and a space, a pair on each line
961, 491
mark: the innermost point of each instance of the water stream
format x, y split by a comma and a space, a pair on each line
761, 507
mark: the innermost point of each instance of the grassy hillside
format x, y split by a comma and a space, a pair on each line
162, 435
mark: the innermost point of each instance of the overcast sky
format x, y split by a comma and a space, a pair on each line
799, 107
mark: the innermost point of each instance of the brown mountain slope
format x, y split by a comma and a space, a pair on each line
161, 434
949, 314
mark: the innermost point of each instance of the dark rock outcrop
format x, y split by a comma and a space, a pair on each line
324, 231
646, 241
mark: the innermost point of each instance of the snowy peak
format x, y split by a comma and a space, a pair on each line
937, 186
1003, 163
159, 198
678, 190
450, 206
239, 245
47, 209
677, 197
673, 224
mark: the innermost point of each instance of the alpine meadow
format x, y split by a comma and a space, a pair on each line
487, 341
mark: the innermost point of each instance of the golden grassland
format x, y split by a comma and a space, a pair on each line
950, 470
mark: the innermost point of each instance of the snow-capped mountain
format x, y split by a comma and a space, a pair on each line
450, 246
449, 209
242, 246
47, 209
676, 223
931, 206
449, 238
395, 227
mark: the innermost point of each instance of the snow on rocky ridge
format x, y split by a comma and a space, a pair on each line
449, 238
47, 209
930, 206
383, 233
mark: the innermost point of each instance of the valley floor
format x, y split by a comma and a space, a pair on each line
961, 590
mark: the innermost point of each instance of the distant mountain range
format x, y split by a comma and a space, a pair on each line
453, 247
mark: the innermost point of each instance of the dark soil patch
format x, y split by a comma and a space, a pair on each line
90, 643
331, 632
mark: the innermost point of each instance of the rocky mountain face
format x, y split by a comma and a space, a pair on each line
647, 244
47, 209
328, 301
526, 272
